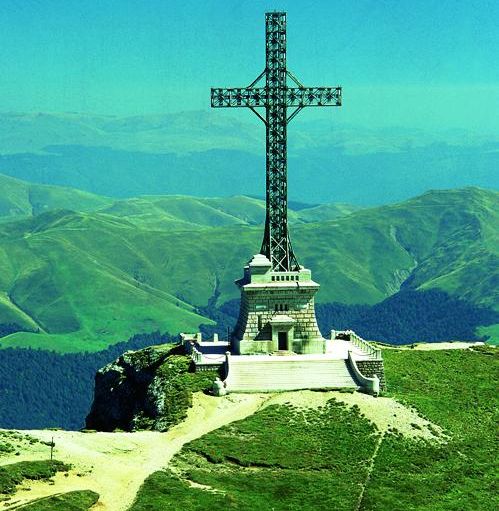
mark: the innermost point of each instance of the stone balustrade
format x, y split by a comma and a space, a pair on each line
362, 344
371, 384
196, 355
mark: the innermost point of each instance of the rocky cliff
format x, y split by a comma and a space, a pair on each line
145, 389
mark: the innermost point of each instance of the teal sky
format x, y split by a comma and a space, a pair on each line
430, 64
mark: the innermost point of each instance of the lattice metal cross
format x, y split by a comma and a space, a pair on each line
276, 97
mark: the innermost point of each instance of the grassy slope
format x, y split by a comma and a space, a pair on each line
457, 390
288, 459
451, 235
22, 199
326, 212
13, 474
92, 278
284, 457
81, 500
180, 211
85, 298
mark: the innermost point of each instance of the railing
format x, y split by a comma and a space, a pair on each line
196, 355
371, 385
203, 358
362, 344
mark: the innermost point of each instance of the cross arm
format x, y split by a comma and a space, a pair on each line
247, 97
313, 96
258, 97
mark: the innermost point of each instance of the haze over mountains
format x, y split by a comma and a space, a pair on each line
106, 269
209, 154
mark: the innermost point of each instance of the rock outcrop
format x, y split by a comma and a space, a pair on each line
145, 389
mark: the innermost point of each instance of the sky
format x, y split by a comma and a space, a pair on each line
424, 64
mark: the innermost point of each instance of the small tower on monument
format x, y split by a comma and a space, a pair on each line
277, 294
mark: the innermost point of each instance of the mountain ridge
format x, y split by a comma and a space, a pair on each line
61, 267
208, 154
22, 199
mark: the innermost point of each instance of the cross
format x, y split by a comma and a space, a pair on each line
276, 97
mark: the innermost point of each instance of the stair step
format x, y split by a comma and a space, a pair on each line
272, 375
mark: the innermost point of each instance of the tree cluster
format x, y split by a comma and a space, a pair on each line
40, 389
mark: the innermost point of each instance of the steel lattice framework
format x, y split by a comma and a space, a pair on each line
276, 97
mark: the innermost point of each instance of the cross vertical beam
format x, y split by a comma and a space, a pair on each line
276, 97
276, 244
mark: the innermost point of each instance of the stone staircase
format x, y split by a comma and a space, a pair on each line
271, 374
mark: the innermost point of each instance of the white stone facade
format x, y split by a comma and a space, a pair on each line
277, 311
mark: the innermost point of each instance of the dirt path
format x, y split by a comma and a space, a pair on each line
430, 346
372, 461
458, 345
115, 464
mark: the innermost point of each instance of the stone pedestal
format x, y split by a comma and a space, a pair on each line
277, 311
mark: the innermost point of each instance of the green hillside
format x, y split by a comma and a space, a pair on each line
337, 457
22, 199
182, 212
82, 298
85, 280
326, 212
443, 239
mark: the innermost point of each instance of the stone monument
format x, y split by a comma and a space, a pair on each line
276, 344
277, 294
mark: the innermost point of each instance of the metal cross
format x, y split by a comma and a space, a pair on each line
276, 97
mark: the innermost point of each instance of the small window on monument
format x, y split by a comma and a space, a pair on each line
276, 308
287, 277
273, 277
297, 277
286, 307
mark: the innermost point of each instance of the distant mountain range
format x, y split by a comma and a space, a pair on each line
212, 154
99, 269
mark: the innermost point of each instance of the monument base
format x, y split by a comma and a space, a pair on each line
300, 346
277, 311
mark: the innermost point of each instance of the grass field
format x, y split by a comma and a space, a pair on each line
492, 332
285, 459
289, 458
457, 390
14, 474
72, 501
20, 199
